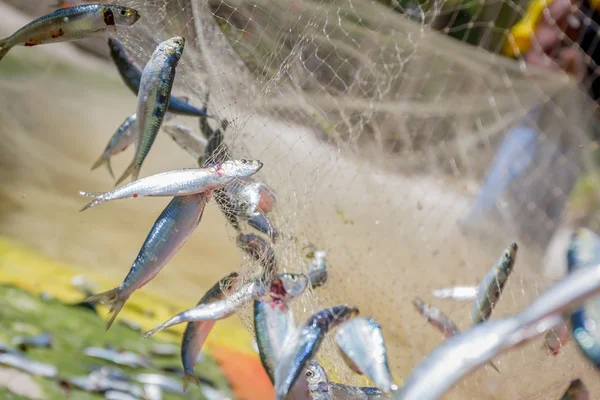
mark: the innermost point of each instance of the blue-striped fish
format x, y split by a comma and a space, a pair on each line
170, 231
491, 287
196, 332
132, 75
153, 99
68, 24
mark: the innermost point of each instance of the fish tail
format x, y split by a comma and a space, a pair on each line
99, 199
4, 48
190, 378
111, 298
173, 321
491, 364
98, 162
109, 168
131, 169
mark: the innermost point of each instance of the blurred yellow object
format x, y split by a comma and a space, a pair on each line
28, 270
518, 40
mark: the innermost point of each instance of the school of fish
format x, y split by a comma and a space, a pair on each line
288, 352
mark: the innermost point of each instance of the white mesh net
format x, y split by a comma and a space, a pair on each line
377, 124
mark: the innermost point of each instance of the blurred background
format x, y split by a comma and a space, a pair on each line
414, 141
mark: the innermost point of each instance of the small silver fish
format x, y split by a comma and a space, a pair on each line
181, 182
556, 338
127, 358
187, 140
361, 340
25, 342
458, 293
441, 321
491, 287
170, 231
120, 141
154, 94
576, 391
29, 366
341, 391
318, 382
100, 383
216, 310
68, 24
302, 345
317, 270
196, 332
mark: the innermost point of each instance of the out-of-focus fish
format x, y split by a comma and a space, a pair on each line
212, 394
361, 340
491, 287
29, 366
98, 382
164, 350
302, 345
132, 75
170, 231
120, 141
187, 140
111, 373
117, 395
458, 293
10, 350
25, 342
196, 332
156, 83
152, 392
556, 338
68, 24
441, 321
317, 270
576, 391
124, 358
216, 310
164, 382
258, 248
181, 182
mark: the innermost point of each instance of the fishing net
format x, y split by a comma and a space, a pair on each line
378, 124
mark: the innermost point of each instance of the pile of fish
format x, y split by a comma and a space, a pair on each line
288, 351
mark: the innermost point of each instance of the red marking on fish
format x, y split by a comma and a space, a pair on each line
218, 170
135, 195
31, 43
58, 33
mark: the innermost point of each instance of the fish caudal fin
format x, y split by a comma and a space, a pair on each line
131, 170
190, 378
112, 299
99, 199
104, 160
4, 48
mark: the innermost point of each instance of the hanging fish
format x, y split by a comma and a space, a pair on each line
187, 140
156, 83
170, 231
181, 182
317, 270
132, 76
491, 287
196, 332
68, 24
319, 387
258, 248
361, 341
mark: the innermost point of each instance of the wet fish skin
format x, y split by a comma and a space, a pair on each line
196, 332
436, 318
170, 231
216, 310
132, 74
302, 345
576, 391
458, 293
318, 382
287, 286
32, 367
156, 83
69, 24
361, 340
341, 391
181, 182
491, 287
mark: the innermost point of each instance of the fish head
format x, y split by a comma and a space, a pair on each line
293, 284
239, 168
121, 15
508, 259
173, 47
315, 375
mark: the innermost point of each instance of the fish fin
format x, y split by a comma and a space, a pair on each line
98, 200
190, 378
109, 168
4, 48
153, 331
491, 364
113, 300
129, 171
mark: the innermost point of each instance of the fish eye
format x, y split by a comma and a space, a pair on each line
293, 278
309, 373
123, 12
243, 161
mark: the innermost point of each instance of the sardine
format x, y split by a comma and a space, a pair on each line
68, 24
170, 231
156, 83
216, 310
120, 141
196, 332
25, 342
181, 182
132, 75
284, 287
258, 248
361, 340
319, 387
188, 141
341, 391
491, 287
32, 367
317, 270
458, 293
302, 345
556, 338
441, 321
576, 391
127, 358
